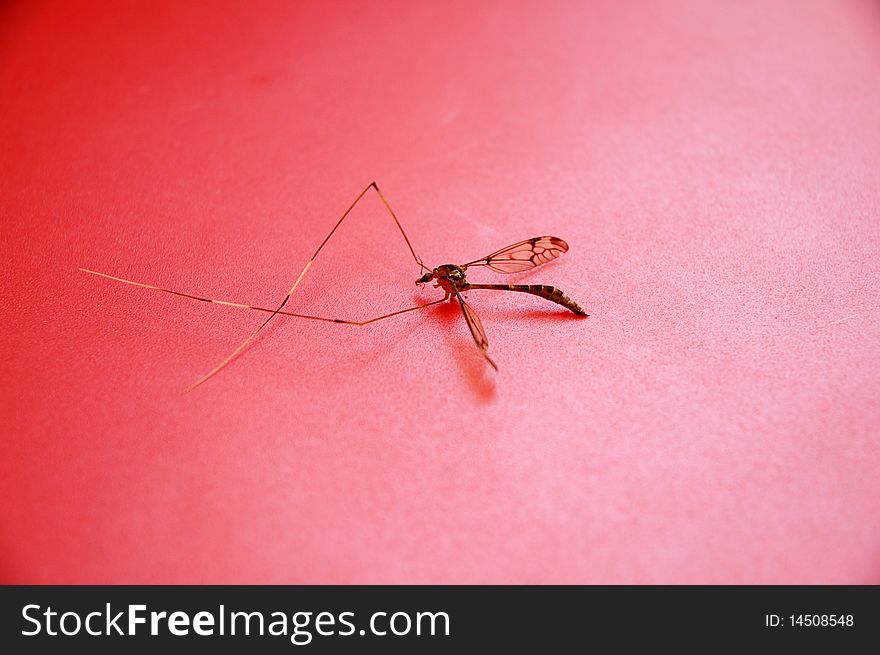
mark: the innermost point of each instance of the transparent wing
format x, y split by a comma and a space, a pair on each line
477, 331
523, 255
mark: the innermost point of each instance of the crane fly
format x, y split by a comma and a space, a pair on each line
451, 278
521, 256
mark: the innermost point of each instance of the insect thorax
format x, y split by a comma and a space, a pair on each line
450, 277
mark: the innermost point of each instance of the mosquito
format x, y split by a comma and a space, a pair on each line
451, 278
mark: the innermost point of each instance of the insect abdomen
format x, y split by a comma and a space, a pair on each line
550, 293
542, 290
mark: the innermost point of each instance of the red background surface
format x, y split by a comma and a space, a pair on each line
713, 166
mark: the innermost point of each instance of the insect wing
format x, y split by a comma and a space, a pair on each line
477, 331
523, 255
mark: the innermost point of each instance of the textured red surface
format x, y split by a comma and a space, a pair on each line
714, 167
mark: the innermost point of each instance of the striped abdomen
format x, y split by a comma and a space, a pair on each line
542, 290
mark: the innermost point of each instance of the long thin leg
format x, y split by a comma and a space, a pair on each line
244, 344
296, 283
399, 227
239, 305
